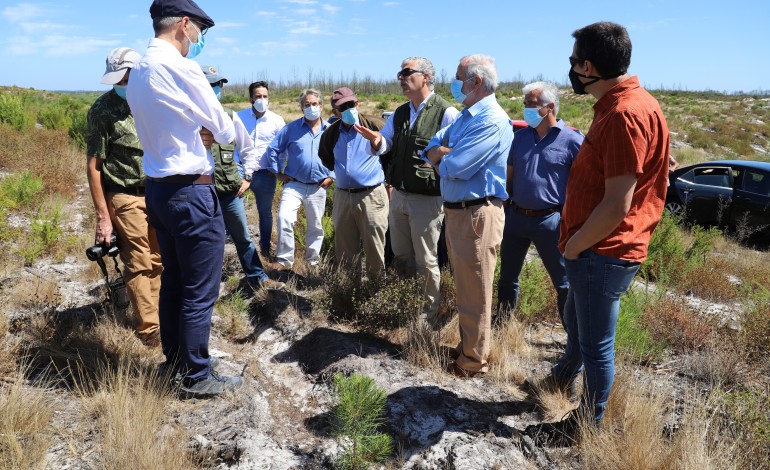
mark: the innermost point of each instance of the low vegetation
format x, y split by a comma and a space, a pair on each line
693, 343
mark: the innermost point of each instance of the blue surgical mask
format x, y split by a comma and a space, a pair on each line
120, 90
195, 47
312, 112
457, 90
532, 117
217, 91
350, 116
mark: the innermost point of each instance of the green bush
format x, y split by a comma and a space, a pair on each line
20, 190
12, 112
45, 232
631, 334
537, 298
54, 118
78, 127
356, 420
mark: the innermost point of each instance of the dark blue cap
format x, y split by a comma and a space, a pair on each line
166, 8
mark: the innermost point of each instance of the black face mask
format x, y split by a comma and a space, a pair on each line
578, 86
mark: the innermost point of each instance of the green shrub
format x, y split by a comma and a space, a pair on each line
20, 190
755, 321
54, 118
45, 232
356, 420
632, 335
12, 112
78, 127
537, 297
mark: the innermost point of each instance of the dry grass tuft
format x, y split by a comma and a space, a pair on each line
720, 364
509, 353
233, 313
37, 294
710, 282
131, 421
25, 429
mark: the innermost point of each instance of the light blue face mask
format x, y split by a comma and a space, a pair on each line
532, 117
195, 47
350, 116
457, 90
217, 91
120, 90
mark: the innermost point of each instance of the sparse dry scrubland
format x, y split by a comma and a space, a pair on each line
77, 389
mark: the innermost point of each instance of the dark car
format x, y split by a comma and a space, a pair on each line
729, 193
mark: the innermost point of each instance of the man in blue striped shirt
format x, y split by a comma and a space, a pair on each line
293, 158
470, 155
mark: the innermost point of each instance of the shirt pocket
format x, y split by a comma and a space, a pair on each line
556, 156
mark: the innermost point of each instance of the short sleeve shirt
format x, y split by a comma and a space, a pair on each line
628, 135
112, 137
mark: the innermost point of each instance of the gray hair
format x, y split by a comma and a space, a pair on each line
482, 66
548, 93
163, 24
425, 66
310, 91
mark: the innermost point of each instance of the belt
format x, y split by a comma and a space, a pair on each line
115, 188
183, 179
359, 190
294, 180
466, 204
536, 213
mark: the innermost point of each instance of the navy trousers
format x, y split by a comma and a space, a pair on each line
191, 235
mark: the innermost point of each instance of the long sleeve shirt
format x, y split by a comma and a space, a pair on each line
294, 151
480, 139
354, 166
171, 101
253, 136
387, 132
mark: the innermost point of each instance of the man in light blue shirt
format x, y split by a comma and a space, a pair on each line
293, 158
361, 205
470, 156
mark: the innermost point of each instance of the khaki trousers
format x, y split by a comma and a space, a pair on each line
415, 225
361, 217
473, 237
140, 254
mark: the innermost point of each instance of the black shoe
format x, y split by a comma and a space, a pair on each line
212, 385
171, 370
563, 433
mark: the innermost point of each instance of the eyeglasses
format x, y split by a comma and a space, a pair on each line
403, 73
574, 61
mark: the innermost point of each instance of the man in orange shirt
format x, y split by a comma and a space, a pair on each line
615, 197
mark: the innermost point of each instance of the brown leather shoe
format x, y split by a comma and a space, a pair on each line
458, 371
152, 340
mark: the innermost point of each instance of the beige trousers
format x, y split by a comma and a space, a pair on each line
415, 226
140, 254
361, 217
473, 237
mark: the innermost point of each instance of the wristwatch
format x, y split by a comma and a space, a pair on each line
247, 177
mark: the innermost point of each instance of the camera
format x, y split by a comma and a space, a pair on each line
100, 249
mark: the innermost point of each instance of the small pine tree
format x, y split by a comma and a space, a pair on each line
357, 417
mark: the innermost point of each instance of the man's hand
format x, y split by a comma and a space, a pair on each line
570, 252
207, 137
435, 154
244, 186
326, 183
374, 137
103, 231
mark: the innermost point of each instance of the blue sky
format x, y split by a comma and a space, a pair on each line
704, 45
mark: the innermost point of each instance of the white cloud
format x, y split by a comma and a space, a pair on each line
265, 13
22, 12
305, 27
228, 25
58, 45
302, 2
330, 9
225, 41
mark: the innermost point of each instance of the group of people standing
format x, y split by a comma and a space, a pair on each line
167, 165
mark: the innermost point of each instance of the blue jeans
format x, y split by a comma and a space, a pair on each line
596, 283
234, 214
263, 185
520, 231
191, 233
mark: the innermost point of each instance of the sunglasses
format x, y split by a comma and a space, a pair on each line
574, 61
403, 73
346, 106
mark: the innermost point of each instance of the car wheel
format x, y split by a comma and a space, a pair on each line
675, 208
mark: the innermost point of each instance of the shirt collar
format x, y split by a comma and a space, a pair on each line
481, 104
163, 44
422, 105
612, 96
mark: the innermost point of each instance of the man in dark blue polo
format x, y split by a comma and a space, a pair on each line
538, 168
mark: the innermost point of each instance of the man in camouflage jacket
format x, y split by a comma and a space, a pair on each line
116, 180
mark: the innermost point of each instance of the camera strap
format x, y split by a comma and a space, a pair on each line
103, 267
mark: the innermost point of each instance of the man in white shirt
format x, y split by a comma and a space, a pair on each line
171, 101
259, 126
